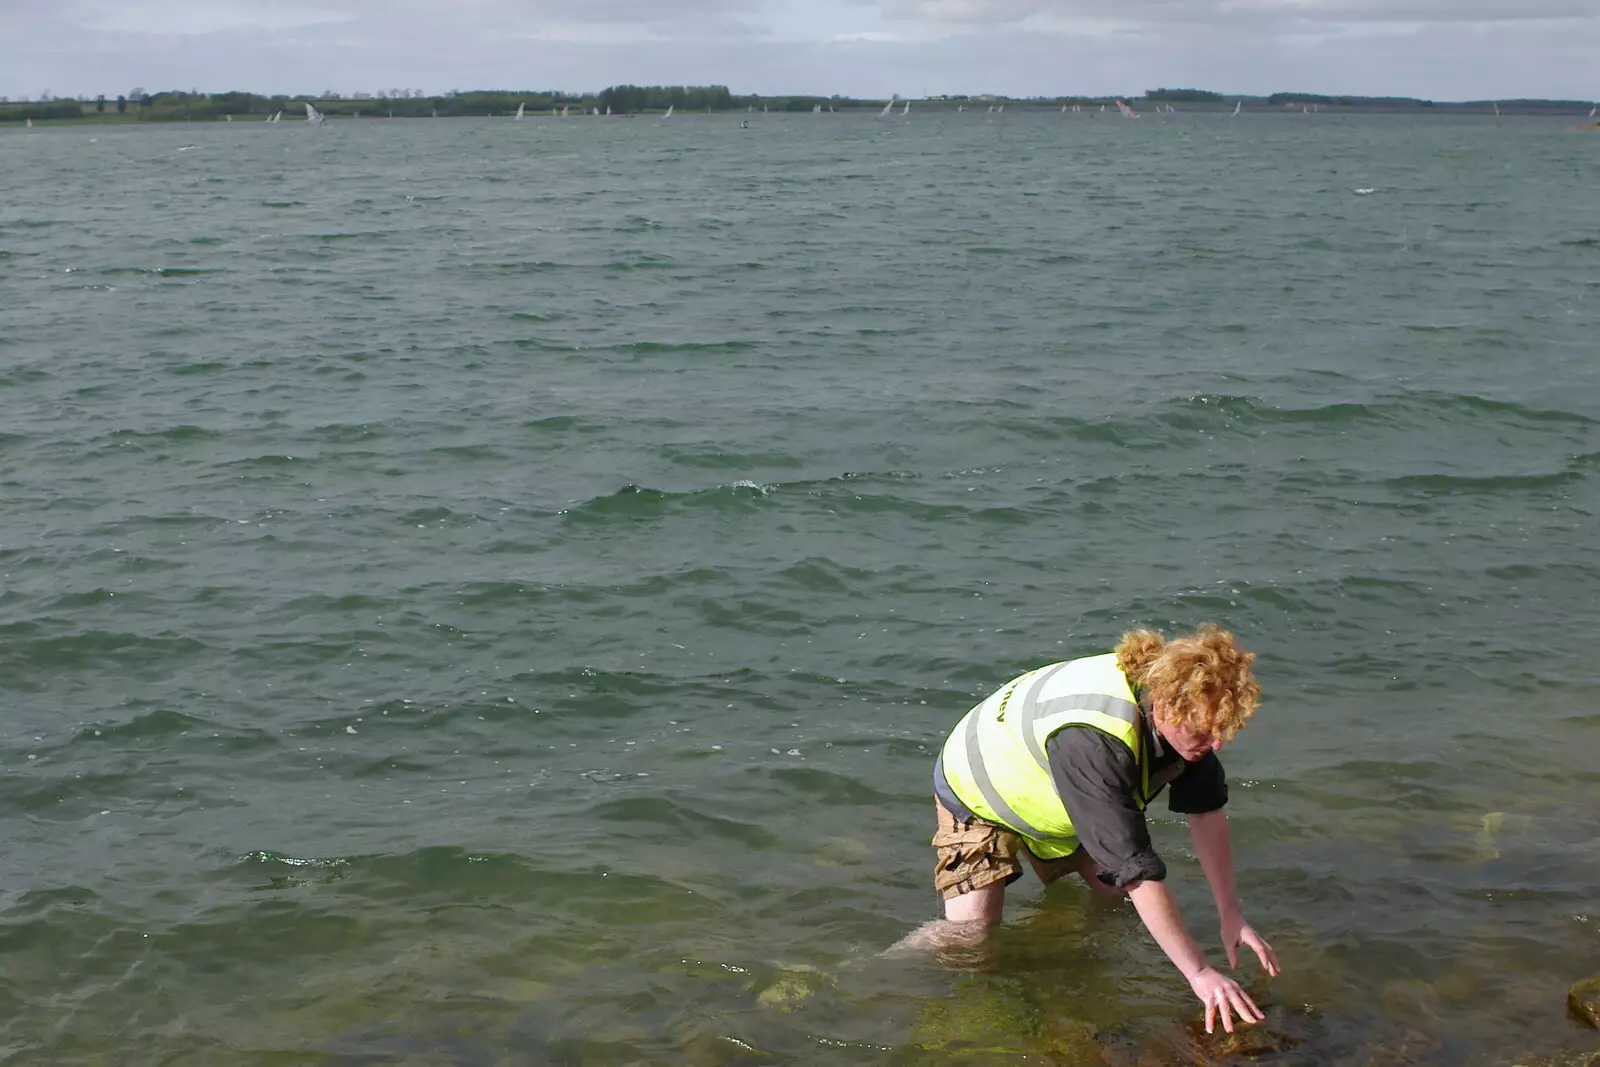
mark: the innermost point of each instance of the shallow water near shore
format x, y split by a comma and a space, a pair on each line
476, 592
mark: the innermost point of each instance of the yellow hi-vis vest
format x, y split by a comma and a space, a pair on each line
995, 758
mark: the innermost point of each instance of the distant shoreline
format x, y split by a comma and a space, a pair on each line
687, 100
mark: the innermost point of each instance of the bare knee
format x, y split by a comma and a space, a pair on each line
984, 904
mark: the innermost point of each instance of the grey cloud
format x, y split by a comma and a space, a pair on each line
1463, 48
1002, 12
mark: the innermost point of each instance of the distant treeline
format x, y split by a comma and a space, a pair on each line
178, 106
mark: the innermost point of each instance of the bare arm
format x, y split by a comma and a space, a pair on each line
1160, 915
1214, 845
1220, 994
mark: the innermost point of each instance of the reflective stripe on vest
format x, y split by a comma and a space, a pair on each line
995, 759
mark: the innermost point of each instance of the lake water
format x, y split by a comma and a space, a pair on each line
477, 592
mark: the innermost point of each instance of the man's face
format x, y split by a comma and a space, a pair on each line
1190, 743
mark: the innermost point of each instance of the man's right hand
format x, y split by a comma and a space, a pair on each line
1222, 996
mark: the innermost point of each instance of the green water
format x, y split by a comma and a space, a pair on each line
477, 592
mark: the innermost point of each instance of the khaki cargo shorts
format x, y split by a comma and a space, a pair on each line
972, 854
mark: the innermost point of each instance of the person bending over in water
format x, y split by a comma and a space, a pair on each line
1058, 765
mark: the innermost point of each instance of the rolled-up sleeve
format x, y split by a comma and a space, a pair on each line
1097, 777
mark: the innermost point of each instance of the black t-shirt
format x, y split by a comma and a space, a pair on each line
1097, 779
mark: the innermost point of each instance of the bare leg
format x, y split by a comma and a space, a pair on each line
967, 916
1080, 864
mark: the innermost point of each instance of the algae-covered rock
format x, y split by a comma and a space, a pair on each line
976, 1019
792, 988
1399, 1047
1583, 1001
1410, 1000
1495, 828
1565, 1059
1070, 1042
1278, 1032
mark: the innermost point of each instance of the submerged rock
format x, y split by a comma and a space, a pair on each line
988, 1025
1583, 1001
795, 985
1404, 1046
1279, 1032
1495, 828
1567, 1059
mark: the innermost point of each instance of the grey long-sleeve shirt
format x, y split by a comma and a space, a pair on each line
1097, 778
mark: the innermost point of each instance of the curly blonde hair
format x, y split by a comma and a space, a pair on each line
1205, 678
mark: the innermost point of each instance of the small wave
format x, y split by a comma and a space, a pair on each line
648, 814
161, 272
522, 266
466, 453
162, 722
185, 369
730, 460
639, 502
1450, 484
343, 433
825, 575
293, 861
268, 461
1205, 410
96, 650
829, 789
561, 424
643, 262
356, 235
174, 434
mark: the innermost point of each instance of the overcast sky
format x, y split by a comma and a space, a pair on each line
1443, 49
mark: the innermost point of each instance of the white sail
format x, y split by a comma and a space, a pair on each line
887, 108
595, 111
816, 109
313, 116
907, 109
960, 108
1496, 105
668, 115
763, 109
520, 109
1592, 110
563, 110
30, 123
608, 109
1237, 106
1001, 110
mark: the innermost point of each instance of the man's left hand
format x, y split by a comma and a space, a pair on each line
1236, 932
